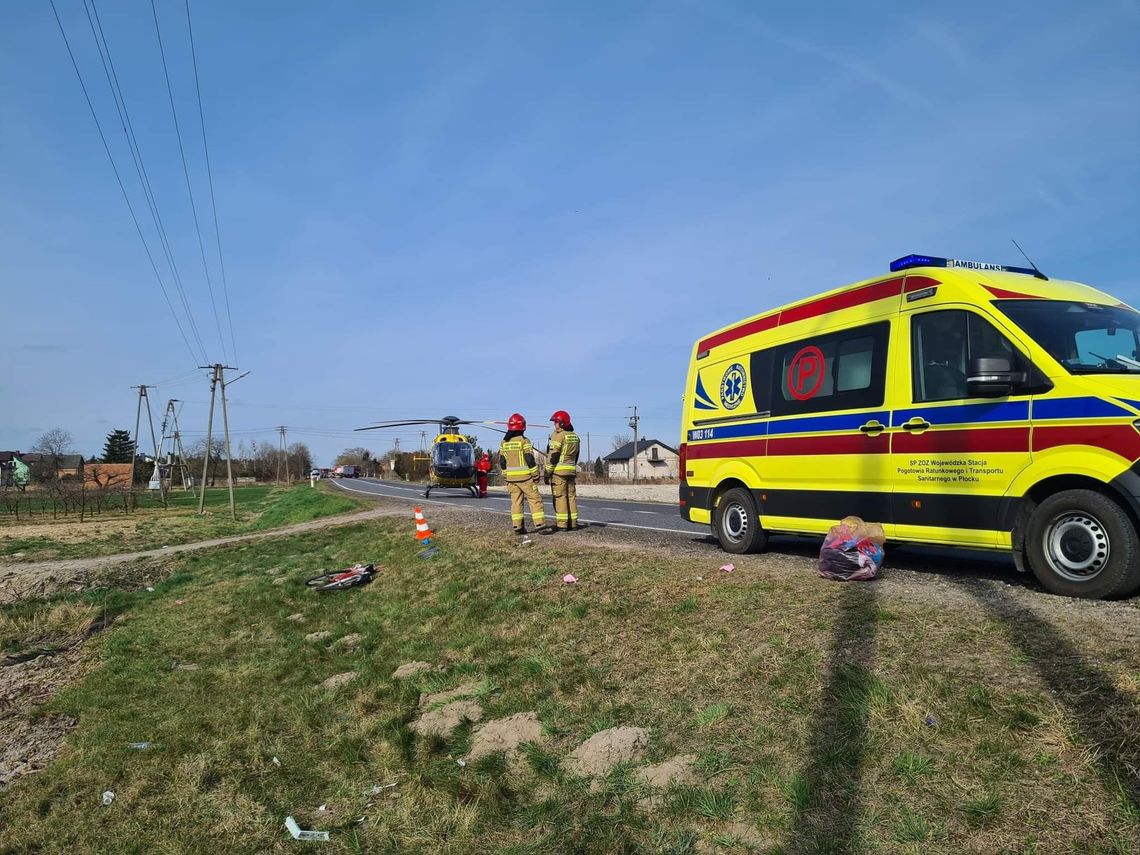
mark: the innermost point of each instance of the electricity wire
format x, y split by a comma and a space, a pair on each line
210, 177
140, 166
119, 180
186, 175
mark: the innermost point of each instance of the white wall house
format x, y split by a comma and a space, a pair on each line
655, 459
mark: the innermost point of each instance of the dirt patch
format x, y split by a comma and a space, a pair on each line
676, 770
338, 680
320, 635
410, 669
28, 743
466, 690
506, 734
296, 618
349, 641
443, 721
606, 749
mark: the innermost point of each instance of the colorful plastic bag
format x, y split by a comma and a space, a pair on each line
852, 551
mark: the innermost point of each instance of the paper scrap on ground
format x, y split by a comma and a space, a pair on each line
139, 746
569, 578
377, 788
276, 762
727, 568
300, 834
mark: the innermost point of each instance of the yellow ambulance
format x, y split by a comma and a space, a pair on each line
958, 403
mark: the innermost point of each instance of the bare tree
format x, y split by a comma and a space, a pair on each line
620, 440
56, 442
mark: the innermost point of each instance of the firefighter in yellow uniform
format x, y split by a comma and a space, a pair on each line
562, 471
520, 470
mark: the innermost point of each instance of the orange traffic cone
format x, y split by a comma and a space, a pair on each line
423, 531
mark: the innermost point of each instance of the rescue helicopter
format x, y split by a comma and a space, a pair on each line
452, 461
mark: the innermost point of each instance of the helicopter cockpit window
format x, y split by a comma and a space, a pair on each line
452, 454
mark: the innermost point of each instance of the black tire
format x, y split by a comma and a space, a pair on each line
736, 523
319, 581
1081, 543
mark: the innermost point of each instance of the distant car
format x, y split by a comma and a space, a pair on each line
350, 472
315, 473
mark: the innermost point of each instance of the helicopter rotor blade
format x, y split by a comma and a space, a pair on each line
400, 424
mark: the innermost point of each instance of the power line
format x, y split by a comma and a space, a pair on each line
136, 155
210, 177
119, 179
186, 174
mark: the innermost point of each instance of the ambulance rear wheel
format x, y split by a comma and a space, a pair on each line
1082, 544
737, 524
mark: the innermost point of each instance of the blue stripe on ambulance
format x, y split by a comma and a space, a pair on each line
957, 414
1045, 409
950, 414
703, 402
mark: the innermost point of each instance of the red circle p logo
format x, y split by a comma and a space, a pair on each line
805, 373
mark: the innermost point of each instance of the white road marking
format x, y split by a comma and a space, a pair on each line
615, 510
646, 512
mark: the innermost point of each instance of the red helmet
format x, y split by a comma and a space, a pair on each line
516, 422
560, 417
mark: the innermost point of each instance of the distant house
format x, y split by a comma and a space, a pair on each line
655, 459
63, 465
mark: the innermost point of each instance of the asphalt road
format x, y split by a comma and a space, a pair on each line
648, 516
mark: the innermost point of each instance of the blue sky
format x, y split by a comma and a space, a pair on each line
474, 208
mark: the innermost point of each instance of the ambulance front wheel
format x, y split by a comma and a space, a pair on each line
1080, 543
737, 524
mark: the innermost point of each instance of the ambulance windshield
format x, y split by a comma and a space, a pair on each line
1086, 338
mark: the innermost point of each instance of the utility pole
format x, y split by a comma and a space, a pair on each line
217, 369
229, 457
589, 456
633, 424
135, 444
218, 379
423, 439
283, 453
177, 448
154, 442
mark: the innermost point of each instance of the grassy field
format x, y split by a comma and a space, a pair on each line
151, 526
822, 717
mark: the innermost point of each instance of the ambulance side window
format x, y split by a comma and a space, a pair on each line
942, 345
837, 371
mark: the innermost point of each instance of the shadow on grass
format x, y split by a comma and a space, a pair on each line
1109, 722
825, 794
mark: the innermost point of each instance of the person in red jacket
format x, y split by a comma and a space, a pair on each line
482, 467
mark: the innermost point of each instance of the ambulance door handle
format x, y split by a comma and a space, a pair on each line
873, 427
916, 424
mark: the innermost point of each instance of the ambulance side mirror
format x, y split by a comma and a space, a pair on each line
992, 377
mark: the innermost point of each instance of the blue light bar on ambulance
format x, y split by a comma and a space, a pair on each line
909, 261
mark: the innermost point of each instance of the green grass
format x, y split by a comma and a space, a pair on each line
258, 508
733, 670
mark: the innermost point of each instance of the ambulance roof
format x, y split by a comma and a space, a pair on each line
987, 282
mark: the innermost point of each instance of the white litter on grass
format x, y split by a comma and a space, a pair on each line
377, 788
150, 589
300, 834
108, 796
140, 746
461, 762
323, 809
276, 762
